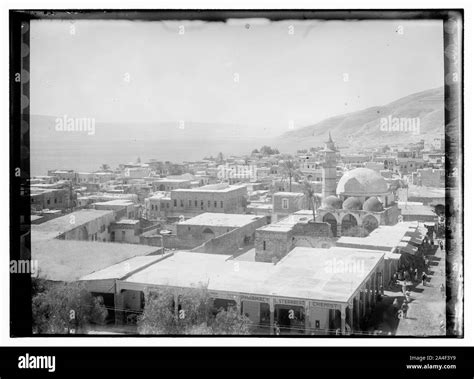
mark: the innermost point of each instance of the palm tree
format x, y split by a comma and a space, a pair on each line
104, 167
310, 197
291, 171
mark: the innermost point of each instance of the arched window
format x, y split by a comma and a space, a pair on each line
348, 222
331, 220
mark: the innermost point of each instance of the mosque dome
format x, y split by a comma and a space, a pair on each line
362, 182
332, 202
352, 204
372, 204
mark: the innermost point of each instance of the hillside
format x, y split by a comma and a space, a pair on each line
363, 128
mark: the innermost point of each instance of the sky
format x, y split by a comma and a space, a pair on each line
268, 77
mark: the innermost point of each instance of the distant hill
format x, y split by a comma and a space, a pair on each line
363, 128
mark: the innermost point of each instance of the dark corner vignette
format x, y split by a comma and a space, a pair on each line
20, 212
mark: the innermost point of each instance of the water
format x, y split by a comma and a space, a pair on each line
90, 155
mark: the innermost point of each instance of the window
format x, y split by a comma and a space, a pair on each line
195, 203
181, 203
202, 204
215, 204
209, 203
284, 203
264, 245
222, 204
48, 202
55, 201
123, 235
175, 202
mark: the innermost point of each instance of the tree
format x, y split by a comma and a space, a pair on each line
230, 322
38, 285
291, 171
255, 151
194, 315
66, 308
267, 150
310, 197
104, 167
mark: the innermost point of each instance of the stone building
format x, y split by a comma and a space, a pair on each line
206, 226
52, 198
429, 177
329, 168
215, 198
167, 184
274, 241
82, 225
286, 203
265, 293
362, 198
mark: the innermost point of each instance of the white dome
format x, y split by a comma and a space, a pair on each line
362, 182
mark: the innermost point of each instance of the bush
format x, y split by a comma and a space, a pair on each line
66, 308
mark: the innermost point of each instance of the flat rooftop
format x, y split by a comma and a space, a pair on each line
169, 180
123, 202
305, 273
221, 187
421, 191
257, 205
221, 219
385, 237
289, 194
127, 222
124, 268
416, 209
286, 224
59, 225
67, 260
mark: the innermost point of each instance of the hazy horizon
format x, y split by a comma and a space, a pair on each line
260, 77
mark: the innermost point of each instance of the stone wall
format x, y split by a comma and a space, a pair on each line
273, 245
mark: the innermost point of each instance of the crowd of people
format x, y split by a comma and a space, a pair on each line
408, 275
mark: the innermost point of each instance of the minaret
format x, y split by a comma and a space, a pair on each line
329, 168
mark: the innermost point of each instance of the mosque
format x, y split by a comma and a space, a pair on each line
361, 198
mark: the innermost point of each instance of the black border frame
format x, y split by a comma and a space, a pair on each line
20, 217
